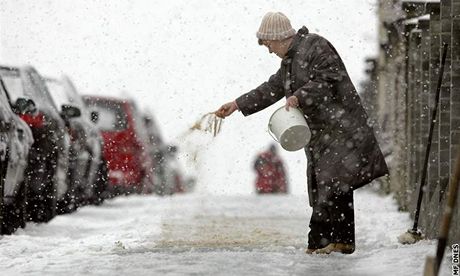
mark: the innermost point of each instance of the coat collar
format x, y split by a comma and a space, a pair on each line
301, 33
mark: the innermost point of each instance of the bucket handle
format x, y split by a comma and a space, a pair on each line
271, 133
269, 130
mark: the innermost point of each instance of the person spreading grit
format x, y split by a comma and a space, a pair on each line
343, 154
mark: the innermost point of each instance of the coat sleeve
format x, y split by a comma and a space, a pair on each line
263, 96
326, 70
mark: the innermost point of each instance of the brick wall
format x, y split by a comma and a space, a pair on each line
403, 95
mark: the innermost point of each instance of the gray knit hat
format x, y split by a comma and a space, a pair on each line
275, 26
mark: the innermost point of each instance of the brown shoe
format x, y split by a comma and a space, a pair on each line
343, 248
325, 250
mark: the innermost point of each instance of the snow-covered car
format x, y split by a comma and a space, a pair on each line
125, 144
87, 167
164, 175
167, 167
46, 175
175, 170
164, 183
15, 142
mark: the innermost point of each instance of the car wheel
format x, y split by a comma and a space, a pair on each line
42, 205
3, 220
14, 214
51, 192
100, 185
68, 204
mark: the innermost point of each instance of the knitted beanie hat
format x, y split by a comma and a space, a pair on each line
275, 26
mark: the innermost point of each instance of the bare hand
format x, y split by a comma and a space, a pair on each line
226, 110
292, 101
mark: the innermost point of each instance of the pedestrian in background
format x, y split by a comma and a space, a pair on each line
271, 176
343, 153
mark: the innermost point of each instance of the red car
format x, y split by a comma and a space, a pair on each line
126, 148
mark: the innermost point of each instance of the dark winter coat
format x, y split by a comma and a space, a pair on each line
343, 152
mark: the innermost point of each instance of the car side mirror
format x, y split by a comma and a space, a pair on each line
70, 111
23, 106
94, 116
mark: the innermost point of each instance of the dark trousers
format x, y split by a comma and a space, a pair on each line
332, 220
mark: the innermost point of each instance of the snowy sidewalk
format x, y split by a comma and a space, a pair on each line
212, 235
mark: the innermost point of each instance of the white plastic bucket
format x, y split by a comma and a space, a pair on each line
289, 128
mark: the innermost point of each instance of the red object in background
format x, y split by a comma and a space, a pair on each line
271, 177
33, 120
125, 148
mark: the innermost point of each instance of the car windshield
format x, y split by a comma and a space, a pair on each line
29, 86
153, 130
58, 93
13, 84
139, 124
3, 98
111, 115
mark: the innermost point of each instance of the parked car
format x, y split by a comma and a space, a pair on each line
179, 184
87, 173
160, 153
125, 144
15, 142
46, 176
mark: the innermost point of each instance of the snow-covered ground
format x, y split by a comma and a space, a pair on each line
210, 235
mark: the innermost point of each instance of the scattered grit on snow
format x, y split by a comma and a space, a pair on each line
210, 235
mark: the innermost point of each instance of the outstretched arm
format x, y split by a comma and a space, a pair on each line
263, 96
